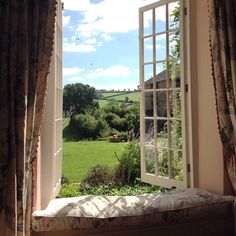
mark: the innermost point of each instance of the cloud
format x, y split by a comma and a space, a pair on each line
107, 37
74, 47
117, 70
66, 20
107, 16
71, 71
75, 79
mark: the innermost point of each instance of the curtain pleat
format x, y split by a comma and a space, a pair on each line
222, 16
26, 41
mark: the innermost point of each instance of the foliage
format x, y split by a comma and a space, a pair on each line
79, 98
70, 190
129, 163
74, 190
137, 188
98, 175
85, 126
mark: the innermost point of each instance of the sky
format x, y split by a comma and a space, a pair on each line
100, 43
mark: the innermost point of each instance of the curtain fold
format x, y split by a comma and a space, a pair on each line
26, 41
222, 17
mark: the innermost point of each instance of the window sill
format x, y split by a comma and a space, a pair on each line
101, 212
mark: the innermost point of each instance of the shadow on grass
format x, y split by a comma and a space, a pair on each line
68, 134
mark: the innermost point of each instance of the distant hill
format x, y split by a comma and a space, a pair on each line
105, 97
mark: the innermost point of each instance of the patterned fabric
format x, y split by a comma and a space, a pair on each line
222, 16
87, 212
27, 32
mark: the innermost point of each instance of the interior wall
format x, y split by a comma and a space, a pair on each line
207, 146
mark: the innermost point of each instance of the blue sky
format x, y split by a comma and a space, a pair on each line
100, 43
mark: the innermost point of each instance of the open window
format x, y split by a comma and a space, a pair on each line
51, 137
163, 100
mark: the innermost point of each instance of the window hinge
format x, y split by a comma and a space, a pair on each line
185, 11
186, 88
189, 168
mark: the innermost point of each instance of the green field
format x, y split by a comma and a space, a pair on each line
119, 96
78, 157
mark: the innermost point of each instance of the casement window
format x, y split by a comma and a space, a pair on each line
163, 84
163, 141
51, 137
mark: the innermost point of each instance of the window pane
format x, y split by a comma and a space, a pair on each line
176, 134
174, 13
148, 76
150, 160
162, 162
160, 14
177, 165
175, 103
174, 75
162, 134
149, 104
148, 49
149, 132
147, 22
161, 47
161, 75
161, 104
174, 46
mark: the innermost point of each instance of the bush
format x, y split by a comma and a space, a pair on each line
97, 175
69, 190
85, 126
129, 164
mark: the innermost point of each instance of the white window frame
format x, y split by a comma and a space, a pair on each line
51, 138
185, 98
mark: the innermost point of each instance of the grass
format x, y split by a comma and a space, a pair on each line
118, 96
132, 96
78, 157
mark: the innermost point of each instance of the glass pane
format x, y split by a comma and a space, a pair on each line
161, 104
161, 75
150, 160
161, 47
174, 14
149, 132
174, 46
160, 14
148, 76
148, 49
162, 162
175, 103
149, 104
162, 134
176, 165
176, 134
174, 75
147, 22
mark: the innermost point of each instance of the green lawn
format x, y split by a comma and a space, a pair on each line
78, 157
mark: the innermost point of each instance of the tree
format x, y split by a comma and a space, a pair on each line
79, 98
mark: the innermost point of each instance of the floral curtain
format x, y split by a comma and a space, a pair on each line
222, 16
26, 41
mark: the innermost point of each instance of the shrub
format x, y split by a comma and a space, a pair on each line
85, 126
97, 175
69, 190
129, 164
102, 128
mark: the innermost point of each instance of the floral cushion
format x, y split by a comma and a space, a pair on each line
89, 211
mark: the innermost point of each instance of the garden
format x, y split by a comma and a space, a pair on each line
100, 146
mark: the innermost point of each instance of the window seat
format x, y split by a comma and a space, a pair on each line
104, 212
